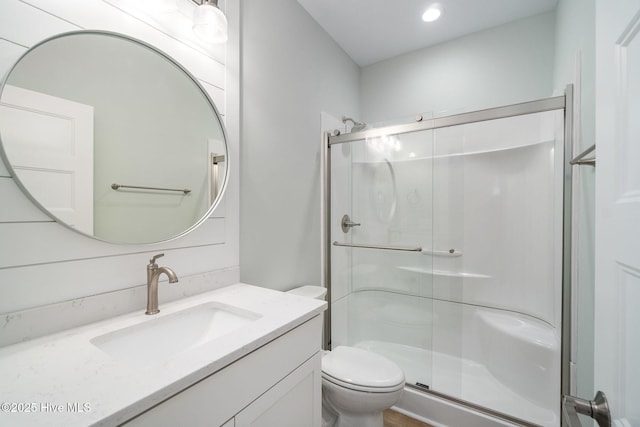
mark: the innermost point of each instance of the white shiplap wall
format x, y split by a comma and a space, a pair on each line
44, 263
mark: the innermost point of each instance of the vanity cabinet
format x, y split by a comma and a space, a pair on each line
293, 402
279, 384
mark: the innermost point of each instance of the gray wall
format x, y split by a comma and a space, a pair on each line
503, 65
291, 72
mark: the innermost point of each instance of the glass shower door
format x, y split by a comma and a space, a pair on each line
450, 263
381, 278
497, 220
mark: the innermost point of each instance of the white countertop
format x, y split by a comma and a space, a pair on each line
64, 380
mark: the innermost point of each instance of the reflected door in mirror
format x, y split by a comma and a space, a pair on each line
51, 142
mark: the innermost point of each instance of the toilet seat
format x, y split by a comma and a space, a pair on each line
367, 389
361, 370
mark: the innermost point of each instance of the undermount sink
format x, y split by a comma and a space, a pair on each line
156, 340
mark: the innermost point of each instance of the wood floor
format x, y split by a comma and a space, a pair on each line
396, 419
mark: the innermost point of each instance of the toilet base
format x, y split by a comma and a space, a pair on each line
330, 419
333, 418
360, 420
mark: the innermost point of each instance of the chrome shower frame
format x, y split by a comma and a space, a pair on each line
563, 102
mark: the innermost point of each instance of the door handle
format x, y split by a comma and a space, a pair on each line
598, 409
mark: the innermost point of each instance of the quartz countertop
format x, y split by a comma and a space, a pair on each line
64, 380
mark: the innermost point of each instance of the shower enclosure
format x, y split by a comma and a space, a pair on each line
444, 252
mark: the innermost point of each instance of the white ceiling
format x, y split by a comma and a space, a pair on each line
374, 30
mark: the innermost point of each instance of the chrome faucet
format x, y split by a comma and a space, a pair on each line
153, 273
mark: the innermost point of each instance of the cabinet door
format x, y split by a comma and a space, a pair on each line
295, 401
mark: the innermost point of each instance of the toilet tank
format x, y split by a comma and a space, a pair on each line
315, 292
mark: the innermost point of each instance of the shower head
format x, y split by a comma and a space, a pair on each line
357, 126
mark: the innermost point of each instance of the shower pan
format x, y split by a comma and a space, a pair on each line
455, 256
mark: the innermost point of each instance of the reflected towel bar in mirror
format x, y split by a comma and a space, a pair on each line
118, 186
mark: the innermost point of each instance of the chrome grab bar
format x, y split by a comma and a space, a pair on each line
390, 248
449, 253
117, 186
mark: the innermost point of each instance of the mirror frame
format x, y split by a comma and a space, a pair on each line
5, 158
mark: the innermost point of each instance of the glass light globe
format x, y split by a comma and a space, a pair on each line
209, 23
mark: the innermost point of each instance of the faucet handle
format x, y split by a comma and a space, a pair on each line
155, 257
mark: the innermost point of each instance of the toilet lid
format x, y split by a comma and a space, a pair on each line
361, 368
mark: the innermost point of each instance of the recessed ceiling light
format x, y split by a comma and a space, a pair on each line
433, 12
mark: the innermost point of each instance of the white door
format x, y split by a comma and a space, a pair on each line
617, 293
49, 142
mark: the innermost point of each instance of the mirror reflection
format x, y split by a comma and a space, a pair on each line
112, 138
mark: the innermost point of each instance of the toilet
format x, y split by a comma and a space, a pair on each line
357, 385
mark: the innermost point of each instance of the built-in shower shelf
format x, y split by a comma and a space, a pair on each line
444, 273
445, 156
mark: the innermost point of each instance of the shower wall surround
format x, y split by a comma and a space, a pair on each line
47, 267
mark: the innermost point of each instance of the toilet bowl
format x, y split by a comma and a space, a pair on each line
357, 385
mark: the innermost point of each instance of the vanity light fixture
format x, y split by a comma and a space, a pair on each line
199, 23
433, 12
209, 22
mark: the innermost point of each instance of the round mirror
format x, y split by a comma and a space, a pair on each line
112, 138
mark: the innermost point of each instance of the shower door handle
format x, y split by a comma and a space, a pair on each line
598, 409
